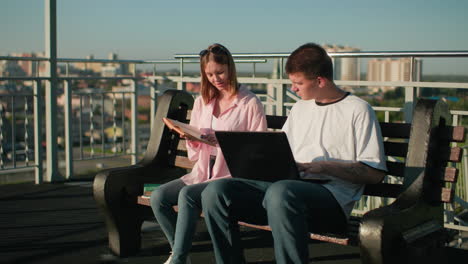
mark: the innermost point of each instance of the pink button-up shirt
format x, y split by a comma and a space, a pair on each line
245, 114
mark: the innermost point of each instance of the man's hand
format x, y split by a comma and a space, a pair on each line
310, 167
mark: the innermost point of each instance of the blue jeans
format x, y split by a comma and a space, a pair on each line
292, 208
178, 228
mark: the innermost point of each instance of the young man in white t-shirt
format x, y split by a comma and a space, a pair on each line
333, 135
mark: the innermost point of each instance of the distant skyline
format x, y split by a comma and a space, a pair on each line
155, 29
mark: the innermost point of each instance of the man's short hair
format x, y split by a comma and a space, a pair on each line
312, 60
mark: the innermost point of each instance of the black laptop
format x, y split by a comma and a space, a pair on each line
263, 156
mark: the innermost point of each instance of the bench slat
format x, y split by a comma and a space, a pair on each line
183, 162
275, 122
398, 149
453, 134
144, 200
450, 174
342, 241
395, 168
447, 195
451, 154
182, 146
383, 189
395, 130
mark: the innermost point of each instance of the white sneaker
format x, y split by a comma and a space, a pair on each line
168, 261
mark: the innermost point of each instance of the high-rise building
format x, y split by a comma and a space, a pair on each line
345, 69
393, 70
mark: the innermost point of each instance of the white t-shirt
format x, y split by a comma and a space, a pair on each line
345, 131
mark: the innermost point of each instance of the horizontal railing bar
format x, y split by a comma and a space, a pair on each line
361, 54
173, 61
405, 84
102, 92
198, 61
17, 94
338, 82
18, 168
390, 109
64, 60
69, 78
8, 58
24, 78
456, 227
458, 112
102, 157
100, 78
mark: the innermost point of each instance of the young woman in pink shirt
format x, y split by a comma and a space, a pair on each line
222, 105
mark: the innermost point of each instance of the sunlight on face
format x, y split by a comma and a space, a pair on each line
303, 87
217, 75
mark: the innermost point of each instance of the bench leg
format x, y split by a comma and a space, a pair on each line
124, 231
384, 239
123, 217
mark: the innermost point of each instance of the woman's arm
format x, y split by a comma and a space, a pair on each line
193, 147
257, 118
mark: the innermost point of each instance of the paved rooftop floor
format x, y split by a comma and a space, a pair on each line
59, 223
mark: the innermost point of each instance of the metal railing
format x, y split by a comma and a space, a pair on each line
103, 124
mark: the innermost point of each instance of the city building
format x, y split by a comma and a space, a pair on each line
89, 66
345, 69
104, 69
392, 70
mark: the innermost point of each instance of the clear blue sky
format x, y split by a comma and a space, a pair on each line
156, 29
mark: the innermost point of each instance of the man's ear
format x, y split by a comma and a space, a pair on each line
322, 81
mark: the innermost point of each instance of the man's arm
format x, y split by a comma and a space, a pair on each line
353, 172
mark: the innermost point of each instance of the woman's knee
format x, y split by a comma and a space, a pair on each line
160, 198
156, 198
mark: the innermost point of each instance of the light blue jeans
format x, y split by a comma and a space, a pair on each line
292, 208
179, 228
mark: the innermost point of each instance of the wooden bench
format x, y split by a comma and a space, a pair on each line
412, 224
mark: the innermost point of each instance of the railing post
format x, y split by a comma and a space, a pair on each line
68, 141
410, 96
280, 91
153, 98
134, 121
271, 89
37, 94
180, 84
51, 90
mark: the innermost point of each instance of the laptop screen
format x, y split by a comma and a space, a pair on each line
263, 156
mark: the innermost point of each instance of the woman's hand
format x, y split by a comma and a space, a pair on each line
188, 137
210, 137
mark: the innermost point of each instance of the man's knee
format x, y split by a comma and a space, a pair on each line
278, 196
214, 192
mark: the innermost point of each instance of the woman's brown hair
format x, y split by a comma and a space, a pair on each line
221, 55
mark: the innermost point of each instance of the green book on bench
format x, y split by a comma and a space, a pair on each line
149, 187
